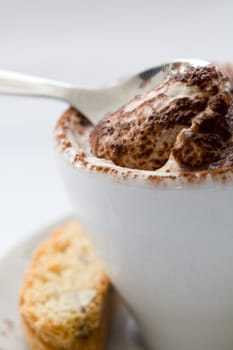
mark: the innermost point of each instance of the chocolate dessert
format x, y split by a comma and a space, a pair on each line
188, 118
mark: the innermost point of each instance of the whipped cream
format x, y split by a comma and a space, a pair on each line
72, 134
185, 119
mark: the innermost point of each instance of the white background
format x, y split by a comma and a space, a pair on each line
87, 43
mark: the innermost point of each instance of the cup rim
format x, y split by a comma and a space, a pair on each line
177, 180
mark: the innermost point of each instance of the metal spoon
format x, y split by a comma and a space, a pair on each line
93, 103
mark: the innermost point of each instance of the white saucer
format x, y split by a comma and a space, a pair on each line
12, 268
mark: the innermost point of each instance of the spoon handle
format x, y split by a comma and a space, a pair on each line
86, 101
21, 84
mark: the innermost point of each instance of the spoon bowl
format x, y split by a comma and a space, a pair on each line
94, 103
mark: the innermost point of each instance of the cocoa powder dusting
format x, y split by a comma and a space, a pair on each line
197, 130
194, 128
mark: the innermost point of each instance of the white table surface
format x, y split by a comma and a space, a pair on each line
87, 43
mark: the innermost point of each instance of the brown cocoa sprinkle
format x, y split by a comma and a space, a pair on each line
64, 120
219, 104
195, 151
61, 136
66, 144
214, 124
101, 169
180, 112
9, 324
81, 158
80, 123
201, 77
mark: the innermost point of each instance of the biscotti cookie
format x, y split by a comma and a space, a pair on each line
63, 302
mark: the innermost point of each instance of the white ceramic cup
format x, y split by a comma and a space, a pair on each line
167, 245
